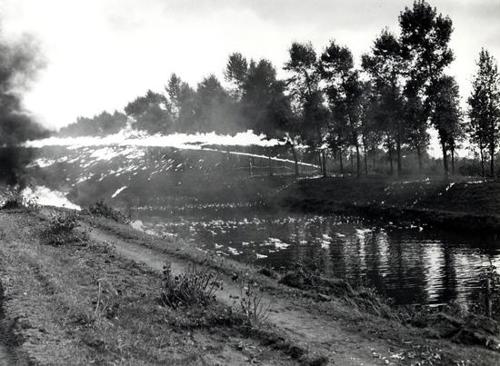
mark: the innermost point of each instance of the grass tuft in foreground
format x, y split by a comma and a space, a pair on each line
195, 287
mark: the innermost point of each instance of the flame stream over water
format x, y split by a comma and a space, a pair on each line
130, 137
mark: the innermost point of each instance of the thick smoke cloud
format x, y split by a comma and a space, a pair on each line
19, 63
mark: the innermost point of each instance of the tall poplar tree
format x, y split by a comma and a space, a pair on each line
484, 109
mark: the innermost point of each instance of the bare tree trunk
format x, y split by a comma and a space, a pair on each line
352, 162
390, 161
452, 151
295, 160
358, 161
366, 160
270, 166
481, 152
488, 300
398, 151
374, 160
445, 160
323, 156
419, 157
341, 162
320, 162
492, 160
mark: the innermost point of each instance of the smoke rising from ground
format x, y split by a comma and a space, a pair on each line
19, 63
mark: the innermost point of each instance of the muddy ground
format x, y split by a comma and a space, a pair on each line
96, 301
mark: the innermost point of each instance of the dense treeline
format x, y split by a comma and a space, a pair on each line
379, 111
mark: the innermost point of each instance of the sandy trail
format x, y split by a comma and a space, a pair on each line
319, 334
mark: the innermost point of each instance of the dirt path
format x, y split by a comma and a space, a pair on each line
319, 334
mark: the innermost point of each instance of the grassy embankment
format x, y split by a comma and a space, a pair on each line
72, 300
458, 204
95, 297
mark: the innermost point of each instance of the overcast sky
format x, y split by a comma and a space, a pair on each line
103, 53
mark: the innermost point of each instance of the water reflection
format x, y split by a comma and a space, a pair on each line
411, 265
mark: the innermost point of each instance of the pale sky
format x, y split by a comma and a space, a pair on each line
101, 54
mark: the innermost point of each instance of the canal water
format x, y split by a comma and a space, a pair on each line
410, 264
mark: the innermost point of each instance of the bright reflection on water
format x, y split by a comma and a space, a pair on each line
411, 265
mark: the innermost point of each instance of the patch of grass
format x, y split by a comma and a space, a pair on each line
62, 230
203, 317
195, 287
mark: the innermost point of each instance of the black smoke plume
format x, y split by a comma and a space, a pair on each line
19, 62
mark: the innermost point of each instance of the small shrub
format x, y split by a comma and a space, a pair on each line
195, 287
100, 208
268, 272
254, 309
61, 231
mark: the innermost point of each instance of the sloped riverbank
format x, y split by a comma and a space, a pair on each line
97, 300
469, 205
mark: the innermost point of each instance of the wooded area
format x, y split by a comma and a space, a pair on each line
379, 112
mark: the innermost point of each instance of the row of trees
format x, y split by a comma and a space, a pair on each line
335, 108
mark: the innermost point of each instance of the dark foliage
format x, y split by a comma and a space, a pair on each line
12, 204
62, 230
99, 125
100, 208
